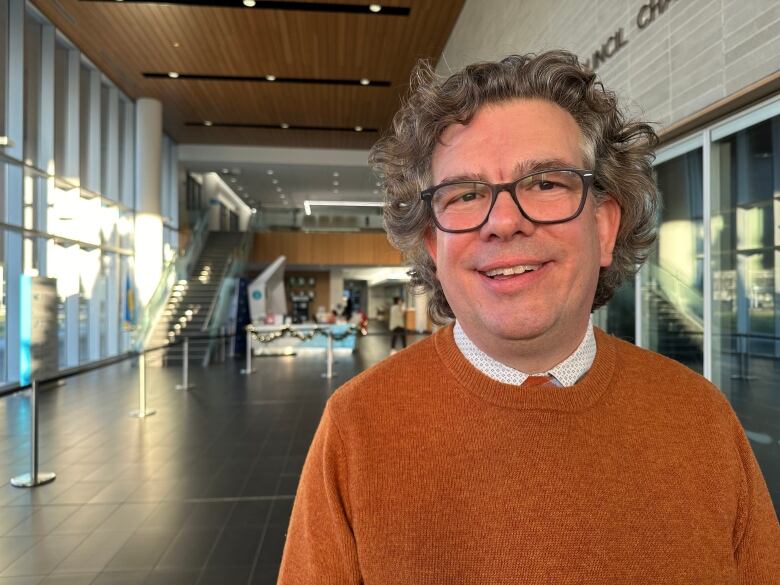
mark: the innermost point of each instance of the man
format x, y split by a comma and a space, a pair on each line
523, 197
396, 324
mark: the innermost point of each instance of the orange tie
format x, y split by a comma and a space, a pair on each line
532, 381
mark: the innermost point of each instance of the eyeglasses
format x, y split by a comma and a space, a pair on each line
549, 196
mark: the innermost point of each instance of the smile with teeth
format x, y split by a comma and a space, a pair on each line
511, 270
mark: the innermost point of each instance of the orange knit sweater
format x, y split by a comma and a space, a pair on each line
425, 471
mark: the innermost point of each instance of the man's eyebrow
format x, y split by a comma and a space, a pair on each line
527, 167
522, 168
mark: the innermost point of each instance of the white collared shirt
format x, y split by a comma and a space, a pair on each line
567, 373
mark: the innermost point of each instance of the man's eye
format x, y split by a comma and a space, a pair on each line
467, 197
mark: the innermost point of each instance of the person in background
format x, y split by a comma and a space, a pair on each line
349, 308
396, 324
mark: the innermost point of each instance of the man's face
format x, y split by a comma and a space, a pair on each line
545, 305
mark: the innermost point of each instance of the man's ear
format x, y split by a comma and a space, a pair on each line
608, 215
430, 243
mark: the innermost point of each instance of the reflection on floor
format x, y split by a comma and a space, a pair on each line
753, 388
199, 493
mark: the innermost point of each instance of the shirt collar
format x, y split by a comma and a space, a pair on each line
567, 373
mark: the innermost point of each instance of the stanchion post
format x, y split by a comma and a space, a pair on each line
35, 477
248, 369
185, 367
329, 373
142, 411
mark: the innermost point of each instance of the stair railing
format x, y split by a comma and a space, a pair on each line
179, 267
685, 299
218, 314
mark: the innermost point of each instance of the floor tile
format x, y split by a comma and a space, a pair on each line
190, 549
44, 555
94, 553
142, 551
44, 520
121, 578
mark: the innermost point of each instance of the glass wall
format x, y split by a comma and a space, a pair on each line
619, 315
3, 67
3, 288
746, 281
710, 289
67, 191
672, 277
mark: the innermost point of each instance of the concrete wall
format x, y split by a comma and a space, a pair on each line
687, 54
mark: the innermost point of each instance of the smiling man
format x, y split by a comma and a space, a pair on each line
518, 444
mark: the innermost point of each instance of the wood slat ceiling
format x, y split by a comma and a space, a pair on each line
125, 40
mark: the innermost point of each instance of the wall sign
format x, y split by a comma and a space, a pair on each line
645, 16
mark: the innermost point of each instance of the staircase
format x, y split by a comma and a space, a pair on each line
189, 307
673, 334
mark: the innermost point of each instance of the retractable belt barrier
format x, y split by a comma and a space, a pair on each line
251, 333
36, 477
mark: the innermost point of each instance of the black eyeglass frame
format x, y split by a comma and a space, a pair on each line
587, 176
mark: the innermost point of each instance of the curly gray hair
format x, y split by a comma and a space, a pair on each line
618, 149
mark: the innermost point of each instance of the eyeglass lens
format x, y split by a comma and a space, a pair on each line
545, 196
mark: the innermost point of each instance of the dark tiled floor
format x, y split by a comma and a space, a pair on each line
198, 494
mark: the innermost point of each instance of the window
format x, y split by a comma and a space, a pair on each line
745, 256
672, 278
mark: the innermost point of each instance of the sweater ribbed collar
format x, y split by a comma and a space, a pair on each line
583, 395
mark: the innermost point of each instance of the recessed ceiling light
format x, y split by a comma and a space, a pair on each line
270, 77
285, 202
239, 188
282, 195
365, 81
225, 171
335, 191
335, 173
335, 183
278, 189
233, 179
376, 192
378, 185
269, 172
249, 3
275, 181
375, 7
358, 128
284, 125
173, 74
208, 123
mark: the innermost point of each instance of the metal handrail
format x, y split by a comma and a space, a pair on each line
213, 304
235, 257
235, 265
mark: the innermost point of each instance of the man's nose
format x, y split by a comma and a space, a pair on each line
505, 219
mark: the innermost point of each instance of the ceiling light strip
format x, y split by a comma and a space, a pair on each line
308, 204
286, 5
363, 82
324, 203
282, 127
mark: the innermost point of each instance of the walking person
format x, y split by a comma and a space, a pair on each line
396, 324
